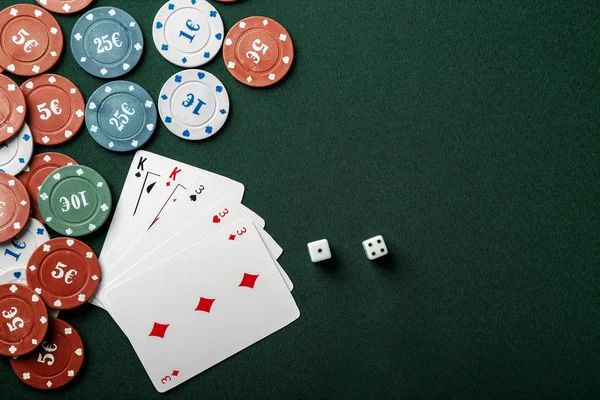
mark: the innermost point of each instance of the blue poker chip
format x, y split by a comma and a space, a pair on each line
120, 116
107, 42
193, 104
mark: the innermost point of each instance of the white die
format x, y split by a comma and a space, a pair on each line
375, 247
319, 250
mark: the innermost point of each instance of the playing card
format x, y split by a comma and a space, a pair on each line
155, 248
202, 193
144, 173
154, 202
152, 183
203, 305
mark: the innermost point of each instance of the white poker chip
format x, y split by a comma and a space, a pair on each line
14, 275
16, 152
188, 33
193, 104
19, 275
15, 253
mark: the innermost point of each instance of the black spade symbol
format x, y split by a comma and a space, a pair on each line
137, 174
193, 197
149, 188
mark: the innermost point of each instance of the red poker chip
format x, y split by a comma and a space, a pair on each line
258, 51
64, 271
24, 319
14, 207
31, 40
12, 108
37, 171
56, 108
64, 6
56, 362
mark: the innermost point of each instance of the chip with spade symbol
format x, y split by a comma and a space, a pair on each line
64, 272
75, 200
107, 42
188, 33
121, 116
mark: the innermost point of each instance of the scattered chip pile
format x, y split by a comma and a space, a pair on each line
258, 52
49, 192
38, 275
46, 352
107, 42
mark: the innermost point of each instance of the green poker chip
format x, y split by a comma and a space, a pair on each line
75, 200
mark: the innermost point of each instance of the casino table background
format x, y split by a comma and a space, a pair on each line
464, 132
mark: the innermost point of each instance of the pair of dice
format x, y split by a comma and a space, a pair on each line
374, 248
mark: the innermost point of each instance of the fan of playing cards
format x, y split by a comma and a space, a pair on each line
185, 262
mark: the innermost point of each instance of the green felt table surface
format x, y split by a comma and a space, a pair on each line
465, 132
